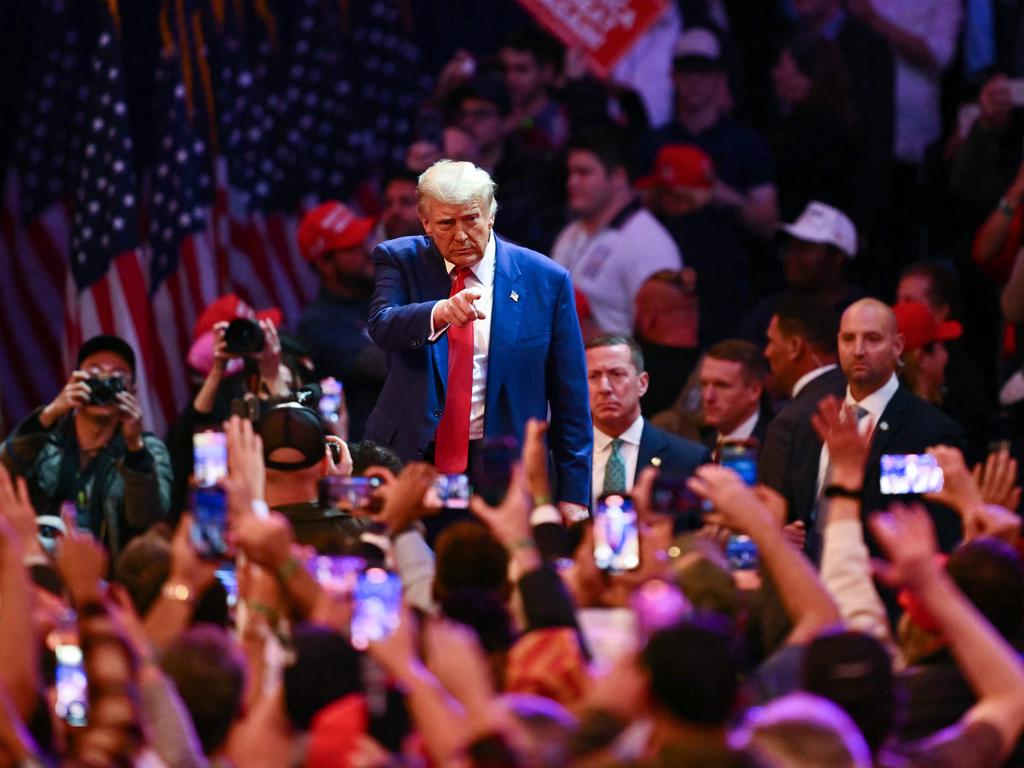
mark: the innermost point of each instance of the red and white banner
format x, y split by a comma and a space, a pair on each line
604, 29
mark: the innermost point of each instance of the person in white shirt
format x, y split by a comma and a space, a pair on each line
899, 422
615, 244
731, 379
623, 442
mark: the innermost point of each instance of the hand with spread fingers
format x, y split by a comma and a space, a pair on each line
906, 535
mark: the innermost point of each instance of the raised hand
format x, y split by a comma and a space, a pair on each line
245, 457
74, 394
836, 426
907, 536
735, 504
82, 563
997, 480
404, 499
130, 415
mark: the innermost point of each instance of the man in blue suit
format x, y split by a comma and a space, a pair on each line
480, 336
623, 442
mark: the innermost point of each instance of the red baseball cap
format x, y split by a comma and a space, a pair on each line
920, 328
680, 165
329, 227
228, 308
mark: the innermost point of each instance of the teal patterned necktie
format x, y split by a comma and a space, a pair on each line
615, 471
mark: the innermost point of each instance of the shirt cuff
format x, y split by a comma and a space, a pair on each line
436, 334
545, 513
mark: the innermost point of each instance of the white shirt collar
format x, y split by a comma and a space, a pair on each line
631, 435
744, 430
483, 269
810, 376
876, 402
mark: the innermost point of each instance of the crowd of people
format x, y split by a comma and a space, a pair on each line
729, 344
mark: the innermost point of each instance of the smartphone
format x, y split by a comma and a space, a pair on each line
670, 495
1016, 88
910, 473
72, 687
491, 467
350, 494
741, 552
209, 522
330, 398
378, 597
616, 534
742, 458
336, 573
209, 458
453, 491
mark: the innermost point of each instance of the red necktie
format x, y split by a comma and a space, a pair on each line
451, 441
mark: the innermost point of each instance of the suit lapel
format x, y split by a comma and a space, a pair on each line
888, 425
650, 446
506, 311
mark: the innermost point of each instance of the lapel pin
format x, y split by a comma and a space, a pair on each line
514, 296
884, 426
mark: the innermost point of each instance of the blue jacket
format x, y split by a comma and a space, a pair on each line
535, 357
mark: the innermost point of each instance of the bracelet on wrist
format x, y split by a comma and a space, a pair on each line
833, 490
526, 542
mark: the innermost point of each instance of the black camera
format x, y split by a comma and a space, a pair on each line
244, 337
104, 391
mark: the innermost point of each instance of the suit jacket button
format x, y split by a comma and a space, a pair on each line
438, 412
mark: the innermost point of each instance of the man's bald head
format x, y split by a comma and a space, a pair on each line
870, 345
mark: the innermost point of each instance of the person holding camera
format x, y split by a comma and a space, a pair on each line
88, 447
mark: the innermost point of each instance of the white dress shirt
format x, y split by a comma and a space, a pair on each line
629, 451
743, 431
481, 278
808, 377
875, 405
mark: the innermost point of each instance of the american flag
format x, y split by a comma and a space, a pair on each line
84, 248
106, 292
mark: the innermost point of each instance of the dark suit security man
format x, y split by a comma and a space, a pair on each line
480, 335
623, 442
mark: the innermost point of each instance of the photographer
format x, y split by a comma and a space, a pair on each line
87, 446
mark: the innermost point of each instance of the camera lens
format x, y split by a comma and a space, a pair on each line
100, 391
244, 336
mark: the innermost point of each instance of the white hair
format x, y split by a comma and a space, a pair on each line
456, 182
801, 730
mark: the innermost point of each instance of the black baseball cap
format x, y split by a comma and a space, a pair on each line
106, 342
290, 425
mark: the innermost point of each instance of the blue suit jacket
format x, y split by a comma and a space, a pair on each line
535, 356
674, 453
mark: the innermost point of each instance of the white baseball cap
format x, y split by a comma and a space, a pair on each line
698, 43
820, 223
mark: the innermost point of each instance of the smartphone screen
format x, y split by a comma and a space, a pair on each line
378, 597
741, 552
910, 473
491, 467
72, 688
741, 458
350, 494
209, 458
229, 580
616, 535
330, 398
453, 491
209, 522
